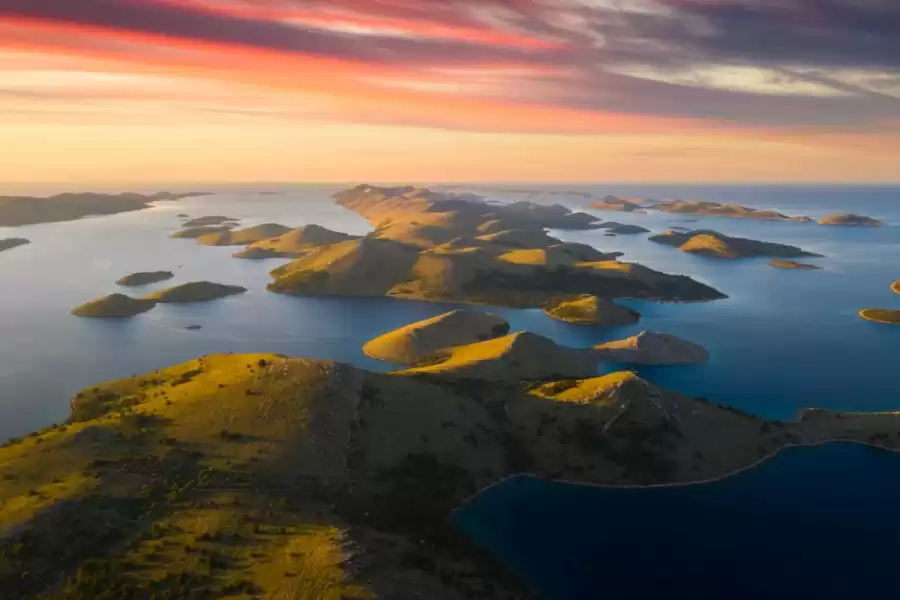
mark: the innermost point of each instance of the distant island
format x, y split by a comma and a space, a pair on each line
850, 220
114, 306
196, 291
144, 278
322, 476
294, 243
210, 220
896, 287
618, 204
622, 228
590, 310
793, 264
29, 210
434, 246
716, 209
718, 245
202, 230
10, 243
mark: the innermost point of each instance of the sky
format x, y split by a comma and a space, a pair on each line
167, 91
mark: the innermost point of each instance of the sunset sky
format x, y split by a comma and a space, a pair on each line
145, 91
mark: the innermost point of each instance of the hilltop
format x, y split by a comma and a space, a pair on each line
114, 306
417, 341
718, 245
591, 310
271, 476
28, 210
242, 237
10, 243
294, 243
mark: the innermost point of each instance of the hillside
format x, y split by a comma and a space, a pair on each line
242, 237
718, 245
294, 243
417, 341
267, 476
28, 210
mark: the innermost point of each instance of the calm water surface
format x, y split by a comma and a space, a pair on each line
782, 341
811, 523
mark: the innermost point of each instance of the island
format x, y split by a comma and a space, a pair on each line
715, 209
619, 204
651, 348
145, 278
268, 476
418, 341
793, 264
195, 291
881, 315
10, 243
718, 245
209, 221
295, 243
895, 287
242, 237
622, 228
198, 232
29, 210
850, 220
591, 310
433, 246
114, 306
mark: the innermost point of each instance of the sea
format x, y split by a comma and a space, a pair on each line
782, 341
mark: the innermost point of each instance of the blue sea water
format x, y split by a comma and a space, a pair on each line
782, 341
811, 523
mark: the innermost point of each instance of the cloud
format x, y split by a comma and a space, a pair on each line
744, 63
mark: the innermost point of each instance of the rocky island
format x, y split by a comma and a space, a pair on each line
850, 220
114, 306
270, 476
417, 341
718, 245
10, 243
145, 278
433, 246
28, 210
195, 291
591, 310
715, 209
793, 264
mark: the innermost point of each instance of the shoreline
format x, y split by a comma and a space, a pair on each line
708, 481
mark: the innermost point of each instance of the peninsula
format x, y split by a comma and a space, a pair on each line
270, 476
718, 245
10, 243
29, 210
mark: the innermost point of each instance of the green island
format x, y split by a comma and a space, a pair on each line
590, 310
144, 278
29, 210
881, 315
718, 245
114, 306
266, 476
436, 246
10, 243
195, 291
850, 220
